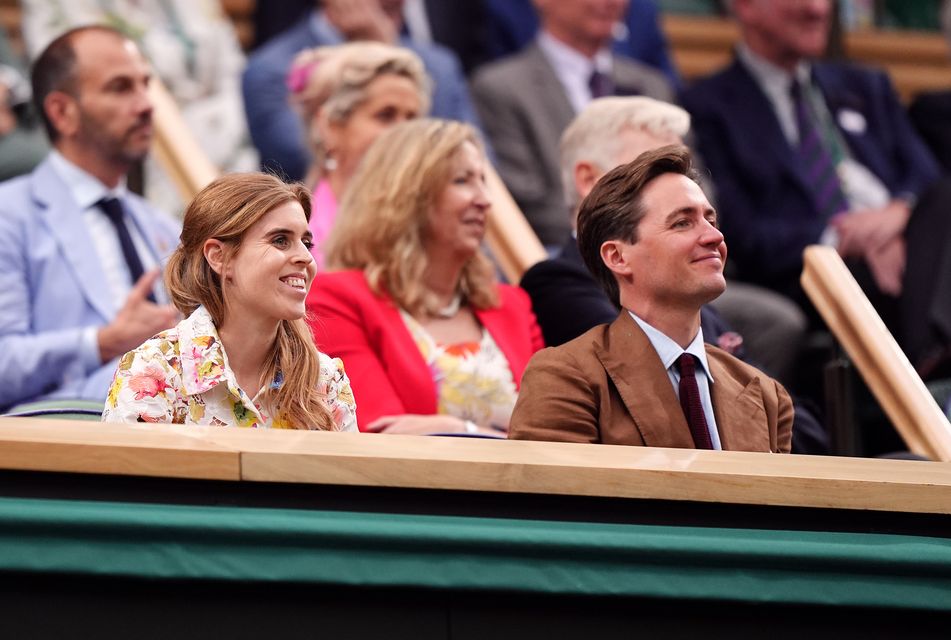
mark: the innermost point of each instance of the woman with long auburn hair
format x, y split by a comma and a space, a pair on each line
433, 342
243, 355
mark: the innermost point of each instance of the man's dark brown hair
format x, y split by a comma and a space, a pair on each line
55, 70
613, 210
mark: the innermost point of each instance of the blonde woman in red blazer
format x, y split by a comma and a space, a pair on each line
432, 342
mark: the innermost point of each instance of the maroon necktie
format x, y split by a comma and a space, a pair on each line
690, 402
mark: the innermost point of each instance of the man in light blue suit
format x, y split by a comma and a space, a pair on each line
276, 129
79, 254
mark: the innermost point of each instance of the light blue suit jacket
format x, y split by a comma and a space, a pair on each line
52, 287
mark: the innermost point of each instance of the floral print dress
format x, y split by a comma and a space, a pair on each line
181, 376
473, 380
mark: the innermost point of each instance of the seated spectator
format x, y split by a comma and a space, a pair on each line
614, 131
348, 95
512, 24
79, 254
526, 101
433, 343
193, 48
243, 356
803, 152
651, 238
277, 132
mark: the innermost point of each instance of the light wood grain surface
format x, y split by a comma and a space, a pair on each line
474, 464
881, 362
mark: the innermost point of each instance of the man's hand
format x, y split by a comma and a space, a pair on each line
866, 231
426, 425
138, 320
887, 265
361, 20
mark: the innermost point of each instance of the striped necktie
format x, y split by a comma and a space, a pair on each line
815, 158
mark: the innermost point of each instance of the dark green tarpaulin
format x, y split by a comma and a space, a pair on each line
160, 541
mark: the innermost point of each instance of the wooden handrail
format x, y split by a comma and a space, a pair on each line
879, 359
419, 462
176, 149
510, 238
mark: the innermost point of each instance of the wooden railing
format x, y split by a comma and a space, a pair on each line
419, 462
916, 61
879, 359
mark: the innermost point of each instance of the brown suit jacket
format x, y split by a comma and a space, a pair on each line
609, 386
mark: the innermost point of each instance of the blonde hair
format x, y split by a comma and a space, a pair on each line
383, 219
225, 210
334, 79
595, 133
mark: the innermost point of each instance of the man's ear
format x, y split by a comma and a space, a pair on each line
215, 255
612, 254
62, 110
586, 176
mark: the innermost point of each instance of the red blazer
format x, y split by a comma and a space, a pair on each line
387, 372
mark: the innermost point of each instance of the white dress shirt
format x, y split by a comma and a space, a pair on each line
669, 352
574, 69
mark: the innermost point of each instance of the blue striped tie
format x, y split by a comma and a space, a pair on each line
816, 159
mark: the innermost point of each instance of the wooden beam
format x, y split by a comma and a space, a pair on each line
879, 359
420, 462
177, 151
513, 243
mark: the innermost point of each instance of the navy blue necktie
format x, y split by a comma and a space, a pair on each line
690, 402
815, 157
600, 84
114, 211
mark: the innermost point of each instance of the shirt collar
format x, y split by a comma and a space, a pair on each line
85, 188
570, 61
204, 364
768, 75
203, 358
669, 351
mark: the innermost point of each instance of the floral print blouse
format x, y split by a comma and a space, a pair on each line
181, 376
473, 380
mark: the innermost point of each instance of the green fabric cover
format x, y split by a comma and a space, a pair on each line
158, 541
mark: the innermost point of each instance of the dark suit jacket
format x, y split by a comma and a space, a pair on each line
608, 386
524, 110
767, 205
931, 115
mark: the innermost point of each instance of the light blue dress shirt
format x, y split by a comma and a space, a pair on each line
669, 352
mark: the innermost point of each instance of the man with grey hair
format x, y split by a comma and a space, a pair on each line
610, 132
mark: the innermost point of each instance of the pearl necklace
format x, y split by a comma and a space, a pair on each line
450, 309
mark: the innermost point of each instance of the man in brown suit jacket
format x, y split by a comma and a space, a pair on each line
649, 235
